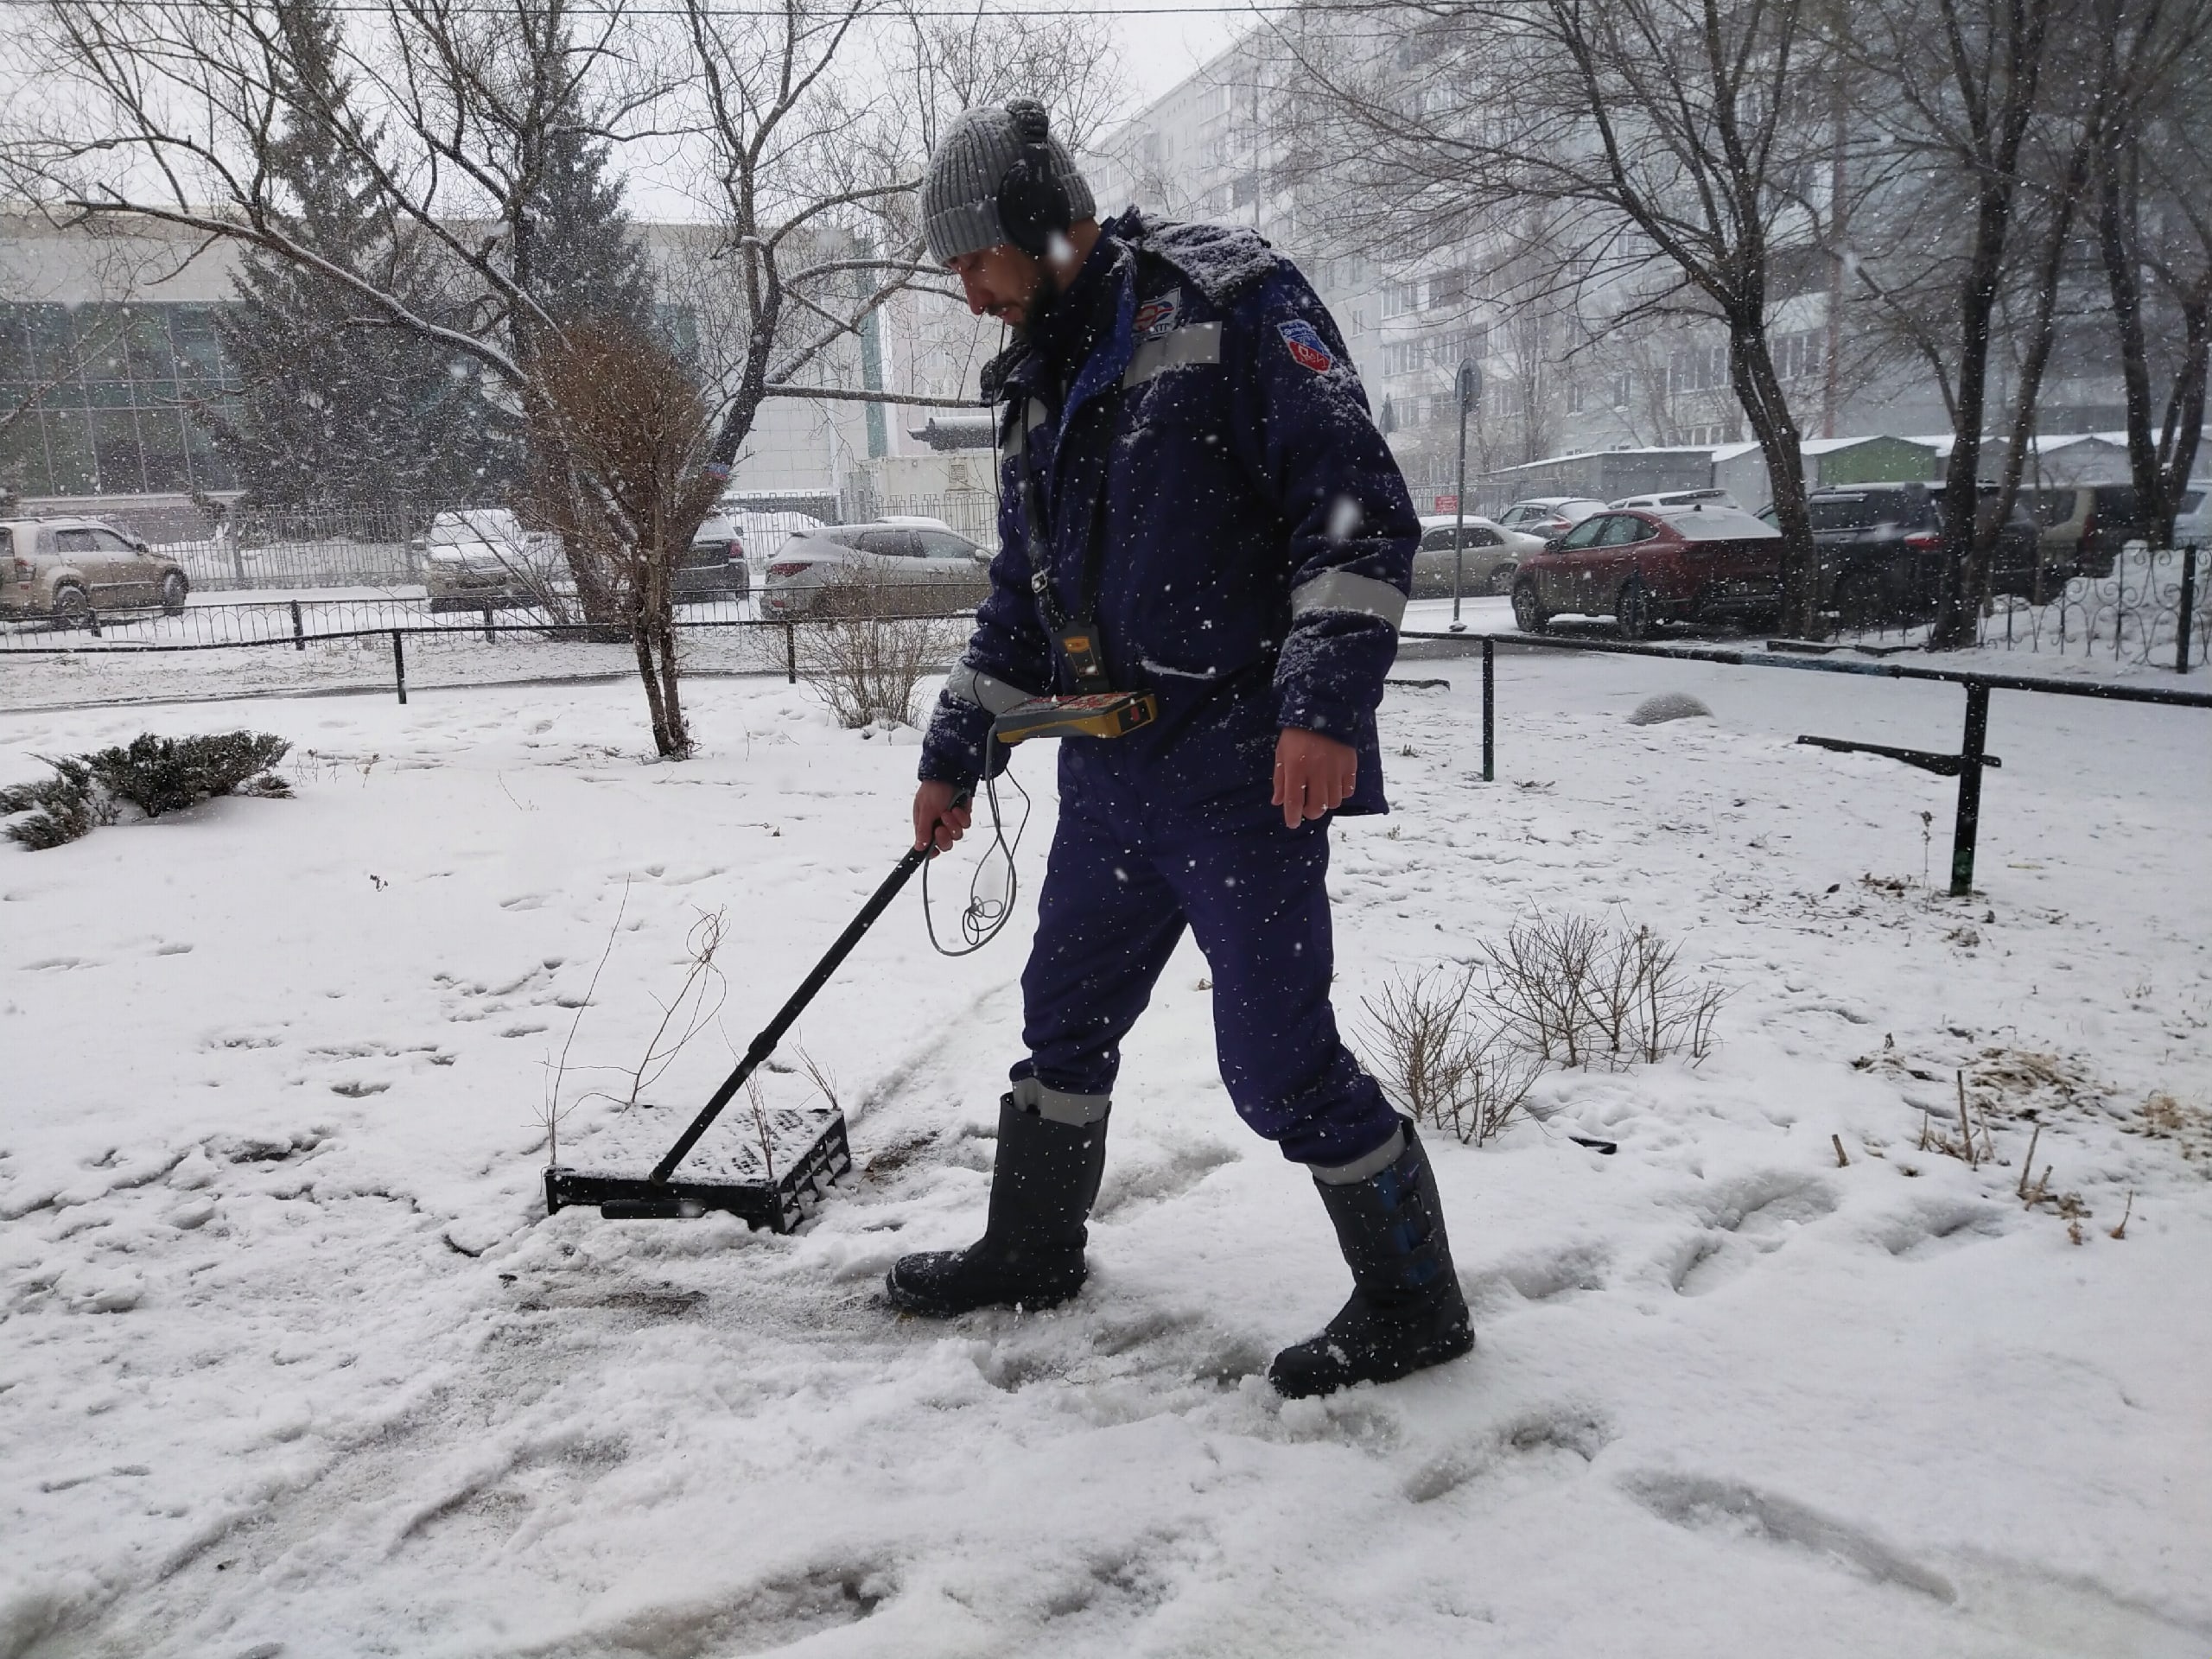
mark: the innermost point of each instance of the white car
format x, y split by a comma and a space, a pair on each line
883, 568
1680, 499
1547, 516
481, 558
1489, 555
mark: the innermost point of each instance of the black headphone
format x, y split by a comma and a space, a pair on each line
1032, 202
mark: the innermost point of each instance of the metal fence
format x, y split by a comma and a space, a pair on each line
1967, 765
278, 648
974, 513
340, 548
201, 625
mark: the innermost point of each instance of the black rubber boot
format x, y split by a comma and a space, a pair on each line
1031, 1254
1406, 1312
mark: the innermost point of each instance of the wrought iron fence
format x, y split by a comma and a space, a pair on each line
289, 647
297, 621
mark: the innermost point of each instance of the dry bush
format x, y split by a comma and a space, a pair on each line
1576, 993
620, 432
1461, 1047
865, 651
1442, 1060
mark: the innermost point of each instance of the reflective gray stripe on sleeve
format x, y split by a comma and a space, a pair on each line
1197, 342
1340, 590
972, 685
1058, 1105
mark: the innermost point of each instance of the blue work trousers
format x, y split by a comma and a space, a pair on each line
1126, 876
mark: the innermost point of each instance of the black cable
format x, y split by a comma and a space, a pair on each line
986, 913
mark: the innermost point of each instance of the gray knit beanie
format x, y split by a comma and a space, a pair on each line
960, 193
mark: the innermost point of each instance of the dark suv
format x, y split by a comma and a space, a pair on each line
1881, 551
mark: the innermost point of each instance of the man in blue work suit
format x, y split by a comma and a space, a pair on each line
1194, 503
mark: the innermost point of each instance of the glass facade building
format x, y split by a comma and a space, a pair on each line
108, 394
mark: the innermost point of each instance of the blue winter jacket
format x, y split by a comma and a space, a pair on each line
1213, 472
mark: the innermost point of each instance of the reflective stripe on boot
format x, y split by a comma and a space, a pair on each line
1406, 1311
1043, 1184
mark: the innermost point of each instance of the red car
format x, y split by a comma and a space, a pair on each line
1653, 564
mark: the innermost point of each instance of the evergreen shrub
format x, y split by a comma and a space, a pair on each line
155, 774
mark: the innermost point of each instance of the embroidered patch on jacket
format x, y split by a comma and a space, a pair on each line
1155, 317
1307, 348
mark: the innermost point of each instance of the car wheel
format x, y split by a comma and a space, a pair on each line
1501, 580
73, 606
1528, 614
1859, 604
1632, 611
174, 589
744, 587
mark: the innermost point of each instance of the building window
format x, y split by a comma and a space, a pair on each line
1449, 287
1799, 356
1697, 368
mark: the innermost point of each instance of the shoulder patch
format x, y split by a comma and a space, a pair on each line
1307, 349
1155, 317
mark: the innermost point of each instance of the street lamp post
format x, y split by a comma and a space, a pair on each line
1469, 388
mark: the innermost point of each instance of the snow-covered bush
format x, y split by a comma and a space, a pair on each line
154, 774
62, 808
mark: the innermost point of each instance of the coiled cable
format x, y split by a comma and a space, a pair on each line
994, 885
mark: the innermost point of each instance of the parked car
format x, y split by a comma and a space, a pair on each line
1680, 499
1881, 551
67, 569
764, 533
482, 557
1652, 565
1487, 557
2084, 526
883, 568
715, 565
731, 540
1547, 516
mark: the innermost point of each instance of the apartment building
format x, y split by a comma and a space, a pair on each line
1562, 374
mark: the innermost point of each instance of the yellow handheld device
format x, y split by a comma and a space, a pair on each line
1108, 714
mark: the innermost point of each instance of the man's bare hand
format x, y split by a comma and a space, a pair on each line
1314, 774
936, 816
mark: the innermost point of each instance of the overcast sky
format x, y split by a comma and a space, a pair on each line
1160, 49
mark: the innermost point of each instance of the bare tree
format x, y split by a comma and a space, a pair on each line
2154, 215
1668, 136
1961, 86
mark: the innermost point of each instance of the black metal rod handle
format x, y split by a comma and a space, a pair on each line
764, 1044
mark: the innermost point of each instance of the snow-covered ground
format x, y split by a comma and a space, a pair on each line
291, 1361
